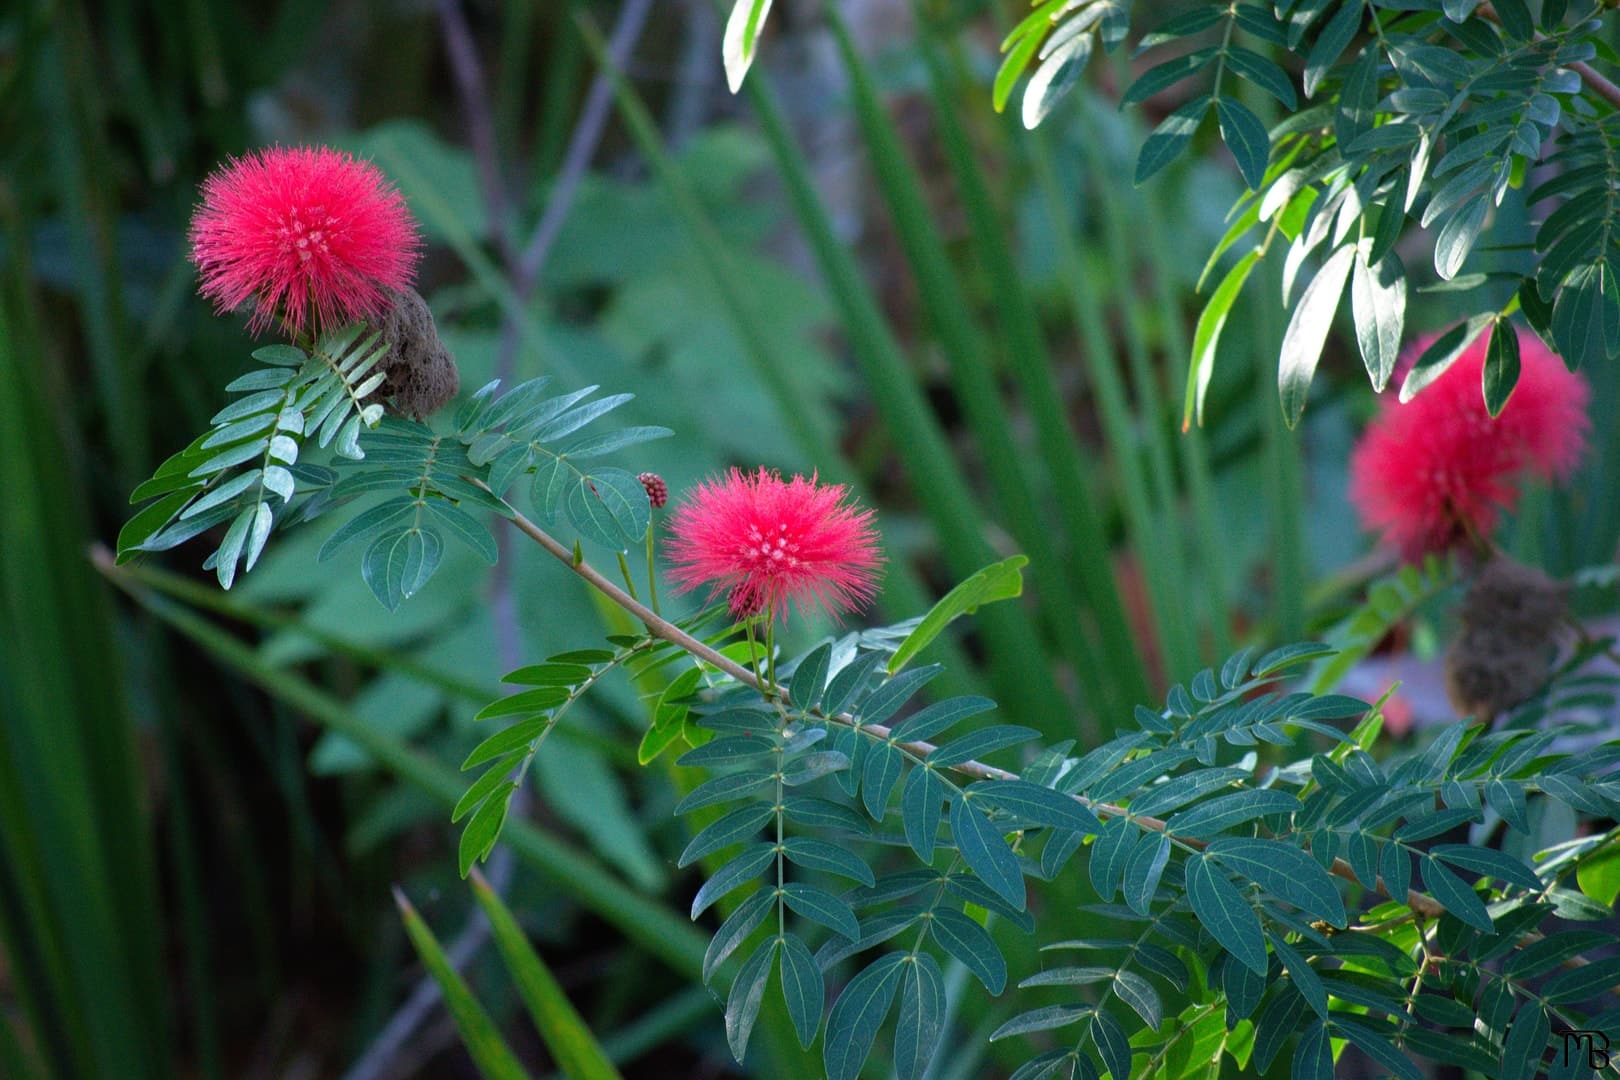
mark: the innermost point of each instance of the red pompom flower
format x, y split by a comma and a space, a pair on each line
1432, 472
769, 542
307, 235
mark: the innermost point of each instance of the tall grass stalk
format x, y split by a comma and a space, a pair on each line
1023, 681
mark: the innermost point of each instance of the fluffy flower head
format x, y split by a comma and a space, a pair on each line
1429, 473
307, 235
767, 542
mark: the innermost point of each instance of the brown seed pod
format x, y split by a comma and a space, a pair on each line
421, 374
657, 490
1505, 646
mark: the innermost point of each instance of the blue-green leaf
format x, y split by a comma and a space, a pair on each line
1376, 1040
1143, 870
1246, 137
1110, 853
986, 853
1171, 137
740, 824
921, 1017
1454, 894
735, 930
1037, 805
1276, 1024
1583, 983
971, 944
466, 527
1284, 871
747, 991
808, 767
979, 743
1378, 303
920, 811
929, 721
1226, 914
1497, 864
820, 855
722, 789
733, 875
810, 677
824, 814
1243, 987
802, 988
1139, 994
1112, 1044
1501, 373
848, 682
887, 699
1045, 1018
853, 1023
1313, 1058
1525, 1043
1305, 980
1226, 811
822, 907
879, 775
610, 507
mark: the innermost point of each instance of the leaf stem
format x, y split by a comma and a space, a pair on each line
652, 569
770, 658
662, 628
624, 571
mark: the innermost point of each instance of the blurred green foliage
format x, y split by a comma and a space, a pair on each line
204, 798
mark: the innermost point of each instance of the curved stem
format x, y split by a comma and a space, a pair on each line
660, 627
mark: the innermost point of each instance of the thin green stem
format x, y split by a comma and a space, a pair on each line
661, 628
770, 657
624, 572
781, 906
649, 924
652, 567
753, 654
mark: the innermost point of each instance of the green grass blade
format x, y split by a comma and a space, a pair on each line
1212, 560
13, 1061
1145, 537
479, 1035
1022, 679
649, 924
1012, 469
570, 1041
1153, 423
1122, 677
81, 919
1284, 487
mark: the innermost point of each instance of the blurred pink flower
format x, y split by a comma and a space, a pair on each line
307, 235
1432, 472
768, 542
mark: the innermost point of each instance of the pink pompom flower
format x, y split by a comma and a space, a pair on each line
766, 543
308, 235
1437, 470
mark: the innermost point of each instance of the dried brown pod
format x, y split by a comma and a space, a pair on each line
1506, 642
421, 374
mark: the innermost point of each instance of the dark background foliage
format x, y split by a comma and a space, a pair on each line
194, 878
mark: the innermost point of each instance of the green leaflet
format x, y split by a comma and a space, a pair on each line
572, 1045
1226, 914
489, 1051
853, 1022
999, 581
